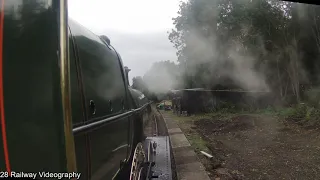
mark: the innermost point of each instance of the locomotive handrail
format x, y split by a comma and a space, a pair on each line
110, 119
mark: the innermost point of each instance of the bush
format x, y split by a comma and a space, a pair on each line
269, 110
302, 113
228, 107
286, 112
312, 97
225, 107
296, 112
313, 114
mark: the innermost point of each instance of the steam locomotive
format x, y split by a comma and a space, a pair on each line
65, 103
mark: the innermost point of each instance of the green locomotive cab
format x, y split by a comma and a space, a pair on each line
139, 98
66, 110
65, 103
142, 119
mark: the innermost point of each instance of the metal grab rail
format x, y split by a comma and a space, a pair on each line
110, 119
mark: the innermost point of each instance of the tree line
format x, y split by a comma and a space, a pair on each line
246, 44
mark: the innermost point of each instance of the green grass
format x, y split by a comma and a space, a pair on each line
186, 124
286, 112
197, 142
303, 113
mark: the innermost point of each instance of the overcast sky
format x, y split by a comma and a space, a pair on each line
136, 28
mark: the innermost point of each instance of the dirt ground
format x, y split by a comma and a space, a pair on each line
259, 147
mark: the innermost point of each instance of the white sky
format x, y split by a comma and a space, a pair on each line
136, 28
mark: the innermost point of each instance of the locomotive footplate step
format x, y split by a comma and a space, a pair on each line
158, 151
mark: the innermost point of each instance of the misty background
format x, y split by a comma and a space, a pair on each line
137, 29
261, 45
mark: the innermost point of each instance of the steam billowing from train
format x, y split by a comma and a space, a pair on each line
206, 52
209, 60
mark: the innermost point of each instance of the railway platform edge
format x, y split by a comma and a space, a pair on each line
187, 164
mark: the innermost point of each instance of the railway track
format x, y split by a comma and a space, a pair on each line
158, 125
155, 125
152, 157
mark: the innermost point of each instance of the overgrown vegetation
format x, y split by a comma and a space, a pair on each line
302, 113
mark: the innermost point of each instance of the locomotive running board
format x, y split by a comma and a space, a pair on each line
161, 157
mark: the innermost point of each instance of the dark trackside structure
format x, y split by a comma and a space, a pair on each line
65, 103
190, 101
200, 100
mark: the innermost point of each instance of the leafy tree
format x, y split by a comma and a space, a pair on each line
265, 44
